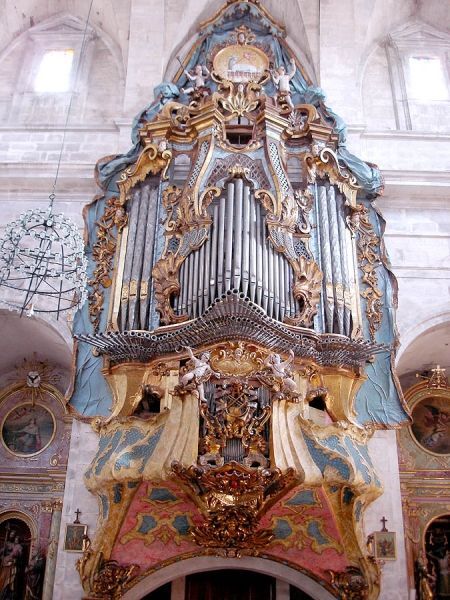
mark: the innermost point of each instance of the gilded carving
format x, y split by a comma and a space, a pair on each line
103, 579
350, 584
233, 499
187, 223
321, 162
154, 159
282, 221
110, 224
237, 359
368, 244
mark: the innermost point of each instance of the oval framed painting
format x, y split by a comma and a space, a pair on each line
240, 64
431, 424
28, 429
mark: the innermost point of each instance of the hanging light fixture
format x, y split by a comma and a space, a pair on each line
42, 262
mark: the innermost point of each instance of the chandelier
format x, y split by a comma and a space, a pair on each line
42, 262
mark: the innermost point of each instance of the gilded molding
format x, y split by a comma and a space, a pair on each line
109, 226
152, 160
324, 162
233, 499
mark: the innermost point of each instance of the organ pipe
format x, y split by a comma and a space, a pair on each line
236, 255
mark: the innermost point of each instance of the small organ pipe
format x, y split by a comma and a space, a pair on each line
148, 253
336, 261
201, 276
132, 227
327, 294
213, 264
237, 233
265, 264
270, 309
246, 241
136, 271
229, 235
281, 260
259, 252
252, 253
344, 235
195, 282
206, 272
220, 248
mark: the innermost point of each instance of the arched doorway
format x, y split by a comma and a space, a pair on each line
229, 584
437, 548
15, 545
290, 583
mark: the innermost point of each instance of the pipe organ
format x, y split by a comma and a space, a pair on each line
241, 315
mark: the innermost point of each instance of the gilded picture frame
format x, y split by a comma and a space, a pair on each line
75, 538
384, 545
28, 429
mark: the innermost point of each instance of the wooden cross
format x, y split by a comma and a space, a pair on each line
384, 521
77, 514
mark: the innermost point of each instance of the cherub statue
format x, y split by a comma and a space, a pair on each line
281, 81
201, 75
199, 373
281, 371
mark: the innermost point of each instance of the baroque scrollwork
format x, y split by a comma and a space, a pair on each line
154, 159
233, 499
186, 229
282, 222
323, 162
368, 244
103, 579
111, 223
350, 584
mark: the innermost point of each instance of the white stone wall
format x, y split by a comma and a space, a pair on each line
83, 446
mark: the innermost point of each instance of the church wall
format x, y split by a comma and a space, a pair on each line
83, 446
384, 452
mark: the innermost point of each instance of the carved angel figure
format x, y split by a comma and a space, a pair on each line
200, 372
281, 81
282, 372
199, 78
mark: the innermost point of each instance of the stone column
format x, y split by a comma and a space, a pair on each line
52, 550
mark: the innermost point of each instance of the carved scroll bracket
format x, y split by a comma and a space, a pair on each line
324, 162
154, 159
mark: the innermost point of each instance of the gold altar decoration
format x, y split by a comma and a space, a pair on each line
233, 498
368, 251
423, 471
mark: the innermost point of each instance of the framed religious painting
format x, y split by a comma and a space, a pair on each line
75, 538
430, 426
28, 429
384, 546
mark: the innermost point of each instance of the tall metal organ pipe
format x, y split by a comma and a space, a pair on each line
236, 256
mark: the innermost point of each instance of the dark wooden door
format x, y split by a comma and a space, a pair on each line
230, 585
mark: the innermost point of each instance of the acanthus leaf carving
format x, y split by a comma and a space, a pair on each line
111, 223
186, 228
368, 244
